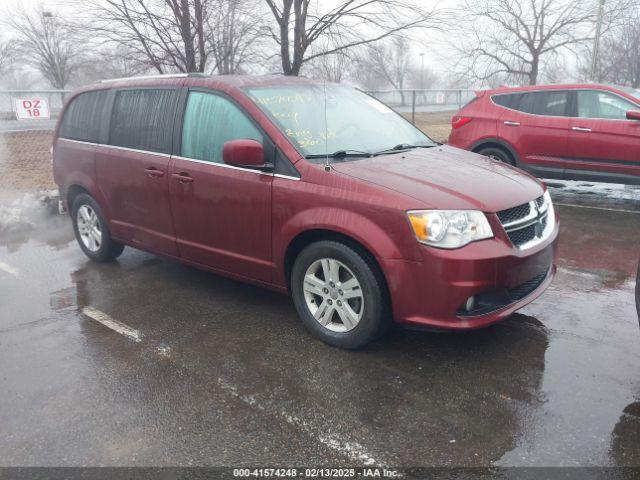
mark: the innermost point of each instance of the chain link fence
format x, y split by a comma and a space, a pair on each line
410, 102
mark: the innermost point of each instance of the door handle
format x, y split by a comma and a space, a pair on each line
581, 129
511, 124
182, 177
152, 172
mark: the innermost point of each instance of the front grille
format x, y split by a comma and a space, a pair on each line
524, 235
524, 289
516, 213
520, 221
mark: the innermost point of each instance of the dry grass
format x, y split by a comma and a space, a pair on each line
436, 124
25, 164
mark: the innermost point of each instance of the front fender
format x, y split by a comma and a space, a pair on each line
360, 228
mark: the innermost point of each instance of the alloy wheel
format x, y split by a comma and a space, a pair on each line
89, 228
333, 295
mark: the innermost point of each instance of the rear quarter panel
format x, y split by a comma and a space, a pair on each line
484, 124
74, 165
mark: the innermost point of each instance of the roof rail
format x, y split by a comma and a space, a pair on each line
164, 75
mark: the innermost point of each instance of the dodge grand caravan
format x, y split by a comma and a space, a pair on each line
313, 189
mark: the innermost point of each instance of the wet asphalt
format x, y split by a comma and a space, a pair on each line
222, 373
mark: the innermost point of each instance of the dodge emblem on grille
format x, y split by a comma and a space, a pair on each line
539, 227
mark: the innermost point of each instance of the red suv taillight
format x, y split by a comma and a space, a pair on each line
459, 121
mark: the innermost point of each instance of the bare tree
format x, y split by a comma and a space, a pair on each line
332, 68
45, 42
166, 35
114, 62
512, 38
388, 60
620, 52
348, 23
235, 33
7, 56
419, 78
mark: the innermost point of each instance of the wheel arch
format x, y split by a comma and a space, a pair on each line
72, 192
307, 237
497, 143
80, 183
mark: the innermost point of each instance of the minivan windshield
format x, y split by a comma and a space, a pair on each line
631, 91
336, 121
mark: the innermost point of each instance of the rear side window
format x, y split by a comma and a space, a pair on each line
83, 116
143, 119
553, 103
509, 100
209, 121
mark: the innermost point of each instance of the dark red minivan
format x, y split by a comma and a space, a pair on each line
313, 189
573, 132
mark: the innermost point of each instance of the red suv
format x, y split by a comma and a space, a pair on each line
581, 132
313, 189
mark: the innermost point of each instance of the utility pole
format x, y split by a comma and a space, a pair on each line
422, 72
596, 43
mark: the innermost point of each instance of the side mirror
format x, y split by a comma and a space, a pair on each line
245, 153
633, 115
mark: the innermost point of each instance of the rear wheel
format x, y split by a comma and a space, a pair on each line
339, 295
497, 153
92, 233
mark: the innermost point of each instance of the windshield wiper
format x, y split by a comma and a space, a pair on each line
342, 154
401, 147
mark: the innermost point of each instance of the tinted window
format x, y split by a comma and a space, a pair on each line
599, 104
209, 121
552, 103
508, 100
143, 119
82, 118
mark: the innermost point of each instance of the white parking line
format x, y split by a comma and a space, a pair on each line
597, 208
9, 269
355, 451
114, 325
577, 273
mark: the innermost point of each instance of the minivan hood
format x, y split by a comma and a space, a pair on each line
445, 177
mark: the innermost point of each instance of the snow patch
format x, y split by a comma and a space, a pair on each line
26, 211
615, 191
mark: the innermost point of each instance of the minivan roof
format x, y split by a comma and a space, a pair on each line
224, 82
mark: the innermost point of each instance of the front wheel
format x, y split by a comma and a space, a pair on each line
339, 295
92, 233
497, 154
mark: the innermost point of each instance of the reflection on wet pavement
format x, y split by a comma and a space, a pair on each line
226, 375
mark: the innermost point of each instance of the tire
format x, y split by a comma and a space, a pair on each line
497, 153
348, 322
85, 212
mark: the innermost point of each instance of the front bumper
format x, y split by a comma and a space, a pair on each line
431, 293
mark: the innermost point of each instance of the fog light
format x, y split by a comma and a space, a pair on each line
470, 303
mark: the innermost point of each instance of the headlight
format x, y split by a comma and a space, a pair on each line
449, 228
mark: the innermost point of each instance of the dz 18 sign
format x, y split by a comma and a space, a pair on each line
30, 108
